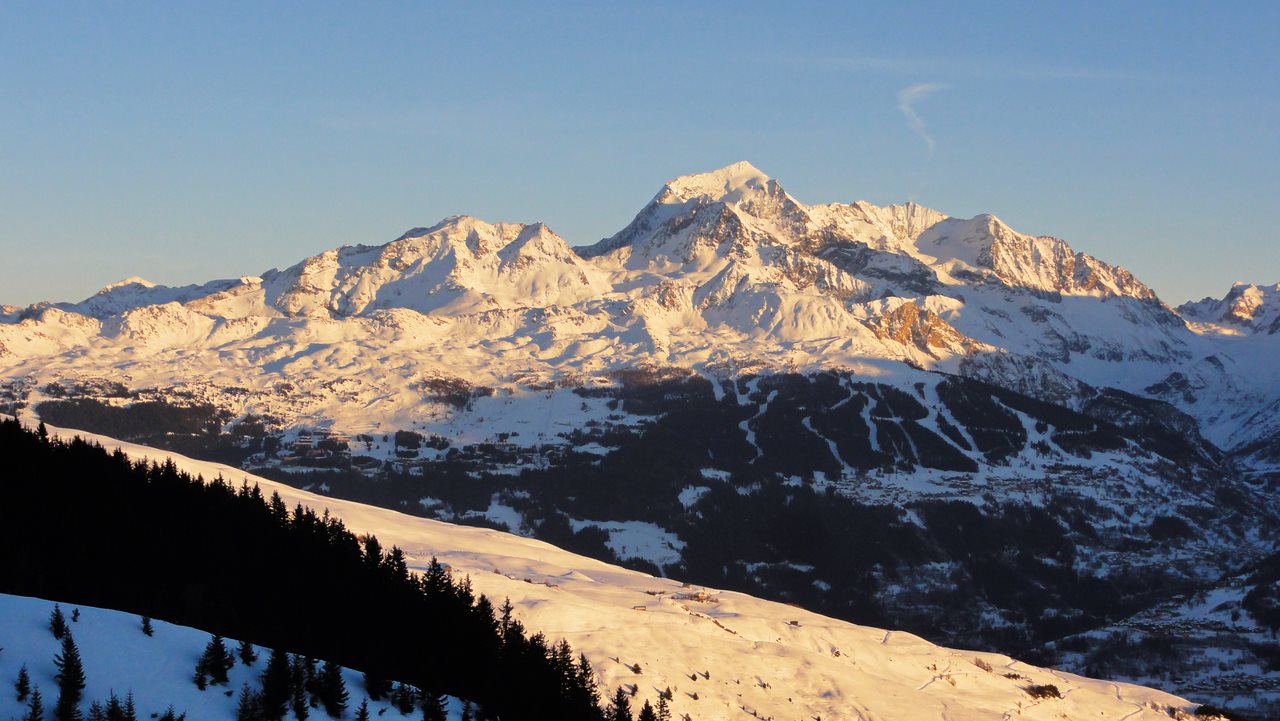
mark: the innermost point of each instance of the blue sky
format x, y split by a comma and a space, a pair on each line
184, 142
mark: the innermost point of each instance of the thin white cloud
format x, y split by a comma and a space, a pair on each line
908, 97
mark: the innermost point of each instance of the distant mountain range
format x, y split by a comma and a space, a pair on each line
723, 272
731, 337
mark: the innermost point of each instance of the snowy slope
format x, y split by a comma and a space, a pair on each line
118, 658
724, 654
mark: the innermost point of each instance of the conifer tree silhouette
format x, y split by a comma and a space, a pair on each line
70, 679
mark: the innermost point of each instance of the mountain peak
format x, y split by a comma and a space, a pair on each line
464, 222
724, 183
738, 183
131, 280
1246, 307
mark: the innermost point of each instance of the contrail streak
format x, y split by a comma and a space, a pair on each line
907, 98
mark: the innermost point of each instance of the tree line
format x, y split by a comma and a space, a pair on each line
86, 526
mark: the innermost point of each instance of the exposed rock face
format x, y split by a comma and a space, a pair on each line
909, 324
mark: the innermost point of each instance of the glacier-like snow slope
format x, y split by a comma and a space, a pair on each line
723, 654
118, 658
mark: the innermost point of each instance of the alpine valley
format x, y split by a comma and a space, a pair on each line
882, 414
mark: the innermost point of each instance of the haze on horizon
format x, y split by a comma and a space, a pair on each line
183, 144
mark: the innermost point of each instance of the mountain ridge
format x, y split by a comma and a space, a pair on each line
728, 254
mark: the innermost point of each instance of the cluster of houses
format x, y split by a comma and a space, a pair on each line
380, 453
317, 445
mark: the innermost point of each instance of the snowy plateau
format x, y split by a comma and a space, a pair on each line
883, 414
724, 655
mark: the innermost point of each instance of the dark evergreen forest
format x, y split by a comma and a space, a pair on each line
81, 525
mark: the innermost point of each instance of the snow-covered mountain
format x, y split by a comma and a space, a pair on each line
1233, 387
723, 654
462, 265
721, 271
1246, 309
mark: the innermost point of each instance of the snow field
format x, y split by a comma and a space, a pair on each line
118, 657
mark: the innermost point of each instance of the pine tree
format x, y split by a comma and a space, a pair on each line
504, 620
664, 710
298, 688
396, 565
96, 712
433, 708
247, 655
115, 709
301, 709
170, 715
201, 677
372, 551
403, 698
250, 706
129, 712
225, 663
275, 686
647, 712
376, 686
620, 709
70, 681
362, 712
35, 710
587, 681
436, 581
563, 662
310, 676
57, 623
23, 685
332, 690
75, 615
466, 712
146, 626
214, 663
278, 509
